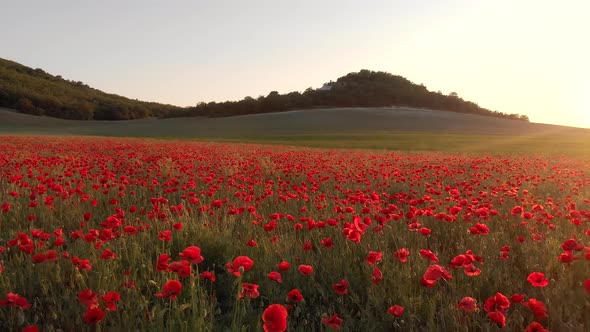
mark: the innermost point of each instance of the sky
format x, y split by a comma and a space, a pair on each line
517, 56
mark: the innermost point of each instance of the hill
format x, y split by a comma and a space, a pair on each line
35, 92
362, 89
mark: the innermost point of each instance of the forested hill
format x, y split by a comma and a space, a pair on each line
33, 91
363, 89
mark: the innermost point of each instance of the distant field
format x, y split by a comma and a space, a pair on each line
378, 128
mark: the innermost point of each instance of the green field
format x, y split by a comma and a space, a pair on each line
392, 129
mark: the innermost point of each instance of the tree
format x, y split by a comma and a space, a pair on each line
24, 105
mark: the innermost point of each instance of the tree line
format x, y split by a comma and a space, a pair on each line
362, 89
33, 91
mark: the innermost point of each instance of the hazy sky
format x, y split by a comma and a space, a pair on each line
528, 57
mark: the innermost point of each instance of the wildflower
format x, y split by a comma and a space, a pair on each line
110, 300
284, 266
240, 265
208, 275
171, 290
275, 276
374, 257
192, 254
537, 279
305, 269
467, 304
427, 254
498, 318
396, 310
538, 308
249, 290
341, 287
535, 327
334, 321
15, 300
433, 274
274, 318
93, 315
498, 302
402, 254
377, 276
295, 295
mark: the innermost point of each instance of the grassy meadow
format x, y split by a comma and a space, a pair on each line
399, 129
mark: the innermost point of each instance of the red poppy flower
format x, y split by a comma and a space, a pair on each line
305, 269
460, 261
569, 245
535, 327
377, 276
537, 279
479, 229
249, 290
171, 289
93, 315
402, 254
295, 296
374, 257
15, 300
88, 298
328, 242
587, 285
192, 254
538, 308
427, 254
567, 257
433, 274
208, 275
341, 287
467, 304
517, 298
165, 236
498, 302
471, 270
108, 254
516, 210
396, 310
183, 268
275, 276
110, 300
239, 265
162, 264
39, 258
6, 207
31, 328
425, 231
274, 318
284, 266
353, 235
498, 318
334, 322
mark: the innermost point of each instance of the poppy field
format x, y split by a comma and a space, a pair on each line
110, 234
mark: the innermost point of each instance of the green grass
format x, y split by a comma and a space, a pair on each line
366, 129
428, 141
